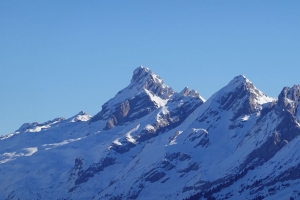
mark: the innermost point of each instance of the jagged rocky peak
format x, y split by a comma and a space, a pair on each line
182, 104
242, 83
289, 98
292, 94
241, 96
192, 93
145, 93
240, 87
185, 91
186, 94
239, 81
144, 78
140, 73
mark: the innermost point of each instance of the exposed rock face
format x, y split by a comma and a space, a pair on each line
181, 105
145, 93
241, 96
144, 78
130, 110
289, 99
178, 108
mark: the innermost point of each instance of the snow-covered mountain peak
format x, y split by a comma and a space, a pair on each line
139, 73
81, 116
145, 93
241, 86
144, 78
239, 78
237, 82
240, 96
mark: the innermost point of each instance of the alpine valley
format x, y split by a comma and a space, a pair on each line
150, 142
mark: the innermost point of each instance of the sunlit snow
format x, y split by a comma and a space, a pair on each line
54, 145
9, 156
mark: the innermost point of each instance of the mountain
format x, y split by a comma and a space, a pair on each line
145, 93
150, 142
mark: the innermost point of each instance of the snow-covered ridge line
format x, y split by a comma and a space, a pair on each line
150, 142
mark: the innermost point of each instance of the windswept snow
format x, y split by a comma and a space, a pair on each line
159, 101
116, 142
128, 134
245, 118
38, 128
149, 127
30, 151
54, 145
9, 156
4, 137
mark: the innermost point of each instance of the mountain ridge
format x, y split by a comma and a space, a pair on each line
152, 142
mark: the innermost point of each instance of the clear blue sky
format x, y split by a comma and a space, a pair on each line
60, 57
